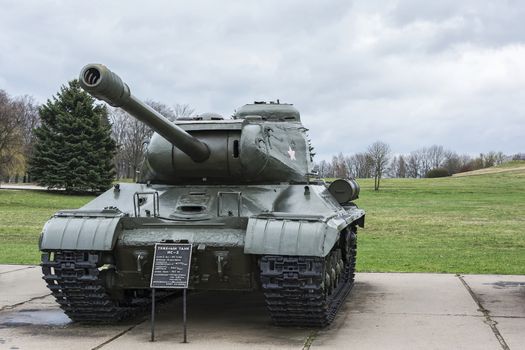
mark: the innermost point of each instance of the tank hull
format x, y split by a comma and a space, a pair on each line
230, 228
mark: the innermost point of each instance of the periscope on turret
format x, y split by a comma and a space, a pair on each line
240, 190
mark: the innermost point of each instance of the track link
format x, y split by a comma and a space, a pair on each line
308, 291
76, 282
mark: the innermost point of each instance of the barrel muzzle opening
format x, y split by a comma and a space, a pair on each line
91, 76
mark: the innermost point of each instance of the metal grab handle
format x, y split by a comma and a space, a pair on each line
137, 204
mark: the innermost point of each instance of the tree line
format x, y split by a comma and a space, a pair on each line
378, 162
74, 142
18, 119
131, 136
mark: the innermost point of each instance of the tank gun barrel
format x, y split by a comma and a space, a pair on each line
105, 85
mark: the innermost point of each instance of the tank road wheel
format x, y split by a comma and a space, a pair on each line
78, 284
349, 247
303, 290
333, 272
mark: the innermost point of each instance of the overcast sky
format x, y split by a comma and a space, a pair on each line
410, 73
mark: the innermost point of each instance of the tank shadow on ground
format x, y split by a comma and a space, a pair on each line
211, 315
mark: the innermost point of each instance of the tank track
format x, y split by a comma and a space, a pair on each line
77, 284
299, 290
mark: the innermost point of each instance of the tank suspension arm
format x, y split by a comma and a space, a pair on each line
105, 85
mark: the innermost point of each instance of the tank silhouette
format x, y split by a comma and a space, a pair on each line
240, 190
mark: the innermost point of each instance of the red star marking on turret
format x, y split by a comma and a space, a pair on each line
291, 153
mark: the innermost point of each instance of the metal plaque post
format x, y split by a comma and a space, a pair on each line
153, 314
184, 314
171, 270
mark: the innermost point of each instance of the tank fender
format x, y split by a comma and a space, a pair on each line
84, 230
290, 236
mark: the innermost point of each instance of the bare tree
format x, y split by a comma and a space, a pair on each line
413, 164
452, 162
359, 165
398, 167
179, 111
401, 167
436, 156
130, 135
392, 168
379, 152
349, 165
341, 169
418, 163
425, 161
27, 109
337, 167
12, 159
163, 109
329, 171
490, 159
138, 135
500, 158
322, 168
120, 121
183, 111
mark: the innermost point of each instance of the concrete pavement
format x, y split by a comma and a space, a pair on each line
383, 311
9, 186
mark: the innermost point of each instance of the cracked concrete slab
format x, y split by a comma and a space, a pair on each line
411, 293
501, 295
512, 330
503, 298
406, 331
215, 321
21, 285
12, 268
408, 311
384, 311
41, 324
71, 336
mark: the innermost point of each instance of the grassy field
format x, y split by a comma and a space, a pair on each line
22, 215
512, 166
469, 224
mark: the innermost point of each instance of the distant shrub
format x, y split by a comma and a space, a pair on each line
437, 172
519, 156
467, 167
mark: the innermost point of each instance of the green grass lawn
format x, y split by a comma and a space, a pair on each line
471, 224
22, 215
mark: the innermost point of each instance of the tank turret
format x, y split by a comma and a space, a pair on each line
263, 143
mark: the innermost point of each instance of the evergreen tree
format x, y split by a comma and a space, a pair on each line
74, 148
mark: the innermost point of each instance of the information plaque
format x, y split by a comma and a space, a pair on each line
171, 265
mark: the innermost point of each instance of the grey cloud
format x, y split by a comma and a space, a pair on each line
492, 23
410, 73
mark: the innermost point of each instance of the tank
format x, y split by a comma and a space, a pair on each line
241, 190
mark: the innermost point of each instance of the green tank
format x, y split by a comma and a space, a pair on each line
240, 190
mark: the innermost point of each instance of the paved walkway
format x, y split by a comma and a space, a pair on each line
10, 186
383, 311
